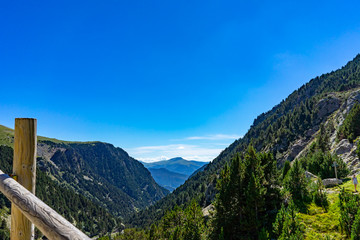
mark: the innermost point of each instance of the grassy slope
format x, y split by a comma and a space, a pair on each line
325, 225
7, 138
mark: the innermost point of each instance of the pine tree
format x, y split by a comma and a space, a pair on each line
323, 139
241, 209
355, 228
254, 181
153, 232
296, 183
287, 225
194, 223
285, 169
349, 207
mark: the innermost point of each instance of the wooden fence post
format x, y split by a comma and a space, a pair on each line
24, 168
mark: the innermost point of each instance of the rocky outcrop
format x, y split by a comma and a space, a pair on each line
327, 106
344, 109
207, 210
347, 152
295, 149
344, 146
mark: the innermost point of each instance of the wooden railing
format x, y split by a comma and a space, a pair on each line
26, 209
49, 222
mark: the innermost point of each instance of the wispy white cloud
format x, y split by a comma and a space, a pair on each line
153, 159
161, 152
215, 137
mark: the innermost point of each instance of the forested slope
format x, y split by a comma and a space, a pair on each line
299, 116
87, 216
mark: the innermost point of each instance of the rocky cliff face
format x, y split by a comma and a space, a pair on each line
332, 111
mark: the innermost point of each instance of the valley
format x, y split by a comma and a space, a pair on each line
173, 172
311, 129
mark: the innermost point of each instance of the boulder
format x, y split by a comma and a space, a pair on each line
330, 182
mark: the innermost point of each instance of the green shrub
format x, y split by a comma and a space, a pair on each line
349, 206
320, 195
287, 225
355, 228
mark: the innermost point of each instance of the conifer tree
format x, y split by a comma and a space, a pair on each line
296, 183
194, 224
287, 224
355, 228
285, 169
241, 209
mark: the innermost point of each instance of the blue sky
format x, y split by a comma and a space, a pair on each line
163, 79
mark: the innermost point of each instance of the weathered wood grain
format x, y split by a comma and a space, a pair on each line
24, 167
49, 222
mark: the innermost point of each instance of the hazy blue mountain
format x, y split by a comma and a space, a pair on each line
177, 165
167, 179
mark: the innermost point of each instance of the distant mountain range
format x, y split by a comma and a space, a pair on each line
173, 172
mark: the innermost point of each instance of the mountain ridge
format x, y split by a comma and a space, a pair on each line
177, 164
297, 117
105, 174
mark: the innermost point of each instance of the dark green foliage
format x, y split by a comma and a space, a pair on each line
194, 226
87, 216
355, 229
320, 195
241, 209
321, 164
153, 232
285, 169
131, 234
323, 139
349, 206
104, 238
351, 126
175, 225
297, 185
4, 231
287, 226
320, 161
6, 159
264, 235
110, 170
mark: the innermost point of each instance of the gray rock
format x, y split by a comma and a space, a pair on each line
327, 106
330, 182
207, 210
296, 149
310, 175
344, 146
